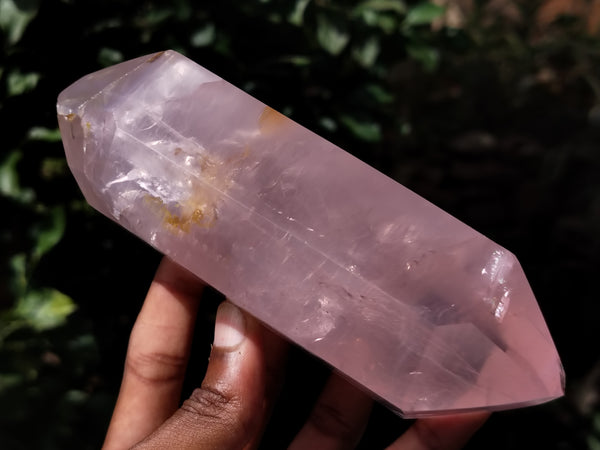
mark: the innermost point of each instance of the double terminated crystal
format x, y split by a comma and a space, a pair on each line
422, 311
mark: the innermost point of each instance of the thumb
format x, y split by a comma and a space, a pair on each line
230, 409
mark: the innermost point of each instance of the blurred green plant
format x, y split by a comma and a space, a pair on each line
15, 16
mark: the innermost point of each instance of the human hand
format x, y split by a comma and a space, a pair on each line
231, 408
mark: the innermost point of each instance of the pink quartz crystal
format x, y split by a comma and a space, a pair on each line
416, 307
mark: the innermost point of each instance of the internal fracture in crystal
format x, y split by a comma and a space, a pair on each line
422, 311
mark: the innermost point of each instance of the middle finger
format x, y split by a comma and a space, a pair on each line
338, 419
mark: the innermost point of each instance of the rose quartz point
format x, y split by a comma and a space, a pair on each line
411, 304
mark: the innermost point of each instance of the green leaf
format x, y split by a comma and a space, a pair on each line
296, 60
18, 83
154, 17
366, 53
50, 233
366, 130
106, 24
328, 123
332, 35
15, 16
53, 167
109, 57
9, 179
44, 134
379, 94
204, 36
429, 57
423, 14
386, 22
296, 17
77, 397
45, 308
397, 6
18, 267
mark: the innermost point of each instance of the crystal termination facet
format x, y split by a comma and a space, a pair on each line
419, 309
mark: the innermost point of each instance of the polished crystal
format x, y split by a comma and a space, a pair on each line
416, 307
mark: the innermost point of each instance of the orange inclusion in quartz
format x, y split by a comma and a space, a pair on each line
270, 121
182, 217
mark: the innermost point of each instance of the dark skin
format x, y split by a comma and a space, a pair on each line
231, 407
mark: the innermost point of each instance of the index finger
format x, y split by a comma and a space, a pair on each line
157, 356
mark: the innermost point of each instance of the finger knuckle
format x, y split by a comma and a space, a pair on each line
155, 367
331, 421
211, 403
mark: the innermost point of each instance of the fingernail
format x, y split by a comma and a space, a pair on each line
230, 326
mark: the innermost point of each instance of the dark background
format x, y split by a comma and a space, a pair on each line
490, 109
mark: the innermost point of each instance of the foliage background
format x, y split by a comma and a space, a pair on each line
488, 108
